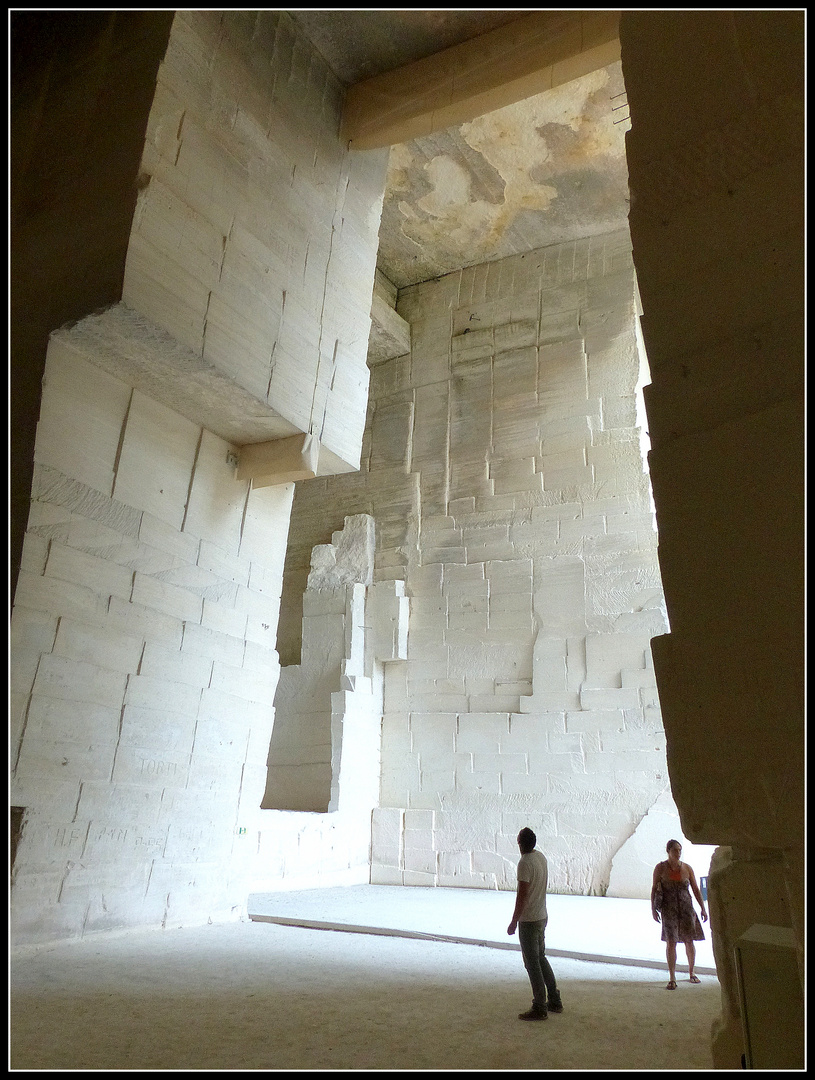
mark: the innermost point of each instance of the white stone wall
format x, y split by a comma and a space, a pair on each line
632, 869
254, 241
324, 759
503, 466
143, 664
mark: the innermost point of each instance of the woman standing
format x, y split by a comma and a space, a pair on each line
670, 899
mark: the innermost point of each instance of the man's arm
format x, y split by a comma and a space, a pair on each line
520, 904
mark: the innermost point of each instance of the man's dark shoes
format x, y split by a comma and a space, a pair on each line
537, 1012
554, 1004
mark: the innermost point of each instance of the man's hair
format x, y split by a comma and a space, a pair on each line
527, 840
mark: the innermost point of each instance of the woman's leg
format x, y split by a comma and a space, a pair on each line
670, 952
690, 949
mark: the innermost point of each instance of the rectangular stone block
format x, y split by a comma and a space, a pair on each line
131, 844
147, 767
477, 735
399, 783
518, 485
420, 859
484, 782
395, 737
57, 799
54, 721
64, 760
126, 803
163, 664
214, 773
608, 654
150, 693
35, 554
440, 703
385, 875
433, 781
251, 686
200, 641
79, 641
500, 702
626, 761
593, 699
494, 763
99, 575
138, 621
23, 672
261, 661
557, 479
81, 416
589, 720
157, 728
454, 863
559, 599
522, 739
167, 599
224, 564
48, 844
32, 631
542, 702
161, 445
62, 678
223, 618
488, 862
648, 741
556, 764
415, 877
569, 743
420, 820
387, 824
196, 579
183, 547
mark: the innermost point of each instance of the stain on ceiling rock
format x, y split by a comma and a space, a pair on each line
544, 171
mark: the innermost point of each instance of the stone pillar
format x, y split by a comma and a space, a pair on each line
715, 156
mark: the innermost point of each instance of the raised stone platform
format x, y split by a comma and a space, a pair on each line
595, 928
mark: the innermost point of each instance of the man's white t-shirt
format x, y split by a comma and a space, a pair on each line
532, 867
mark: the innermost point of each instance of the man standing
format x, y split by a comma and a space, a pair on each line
530, 917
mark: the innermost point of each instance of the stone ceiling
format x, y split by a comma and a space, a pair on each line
544, 171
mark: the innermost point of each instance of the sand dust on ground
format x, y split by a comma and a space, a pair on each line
250, 995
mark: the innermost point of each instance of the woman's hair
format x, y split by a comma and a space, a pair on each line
527, 840
672, 843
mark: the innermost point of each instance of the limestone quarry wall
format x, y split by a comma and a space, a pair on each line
254, 239
715, 156
325, 754
144, 665
503, 466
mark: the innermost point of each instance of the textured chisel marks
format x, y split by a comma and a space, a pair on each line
274, 303
51, 486
525, 537
324, 756
144, 670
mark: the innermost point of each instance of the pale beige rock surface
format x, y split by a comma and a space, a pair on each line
261, 996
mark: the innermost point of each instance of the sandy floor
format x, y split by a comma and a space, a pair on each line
260, 995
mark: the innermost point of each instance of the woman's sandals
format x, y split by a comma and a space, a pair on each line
693, 978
